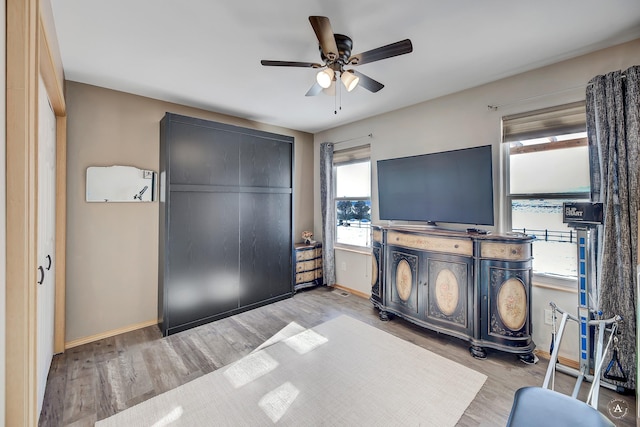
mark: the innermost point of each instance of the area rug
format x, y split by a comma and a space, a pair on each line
341, 373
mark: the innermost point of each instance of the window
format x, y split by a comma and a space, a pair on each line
353, 197
548, 164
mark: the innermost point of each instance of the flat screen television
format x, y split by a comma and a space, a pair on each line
451, 186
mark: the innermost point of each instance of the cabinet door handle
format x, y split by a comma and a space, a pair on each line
49, 259
41, 270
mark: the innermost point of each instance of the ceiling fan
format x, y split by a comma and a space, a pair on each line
335, 52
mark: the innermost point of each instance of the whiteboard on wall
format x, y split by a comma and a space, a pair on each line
120, 184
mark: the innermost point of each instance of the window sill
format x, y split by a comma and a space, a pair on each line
355, 249
555, 283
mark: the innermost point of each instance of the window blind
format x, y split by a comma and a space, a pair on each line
563, 119
352, 154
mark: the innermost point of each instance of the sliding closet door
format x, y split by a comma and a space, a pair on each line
46, 286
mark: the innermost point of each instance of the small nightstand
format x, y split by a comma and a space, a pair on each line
308, 265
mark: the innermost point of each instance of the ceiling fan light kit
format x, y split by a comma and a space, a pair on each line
335, 52
349, 80
325, 77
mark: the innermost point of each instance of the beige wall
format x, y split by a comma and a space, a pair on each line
463, 120
112, 248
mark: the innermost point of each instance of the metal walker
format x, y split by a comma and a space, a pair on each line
584, 217
602, 326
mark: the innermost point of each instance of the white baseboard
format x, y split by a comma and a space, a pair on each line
352, 291
107, 334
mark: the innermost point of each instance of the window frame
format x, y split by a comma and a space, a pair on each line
526, 126
540, 277
339, 245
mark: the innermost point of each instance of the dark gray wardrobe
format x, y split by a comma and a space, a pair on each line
225, 220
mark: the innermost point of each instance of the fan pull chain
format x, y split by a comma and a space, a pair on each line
335, 96
337, 103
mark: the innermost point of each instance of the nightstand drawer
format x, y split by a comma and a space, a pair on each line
306, 265
307, 276
305, 254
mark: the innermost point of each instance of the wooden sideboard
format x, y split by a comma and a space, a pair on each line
308, 265
473, 286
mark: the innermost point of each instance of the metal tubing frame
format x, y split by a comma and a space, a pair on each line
583, 374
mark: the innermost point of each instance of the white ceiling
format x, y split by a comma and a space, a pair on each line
206, 53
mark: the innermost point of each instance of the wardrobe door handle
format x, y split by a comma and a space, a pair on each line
49, 266
41, 270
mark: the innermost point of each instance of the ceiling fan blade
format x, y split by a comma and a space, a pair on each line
394, 49
314, 90
367, 82
269, 63
324, 33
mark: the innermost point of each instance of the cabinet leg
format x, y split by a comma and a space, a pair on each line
478, 352
384, 316
528, 358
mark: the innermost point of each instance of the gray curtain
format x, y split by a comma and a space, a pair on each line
613, 127
328, 213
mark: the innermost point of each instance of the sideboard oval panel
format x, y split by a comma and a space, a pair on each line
404, 279
512, 304
447, 293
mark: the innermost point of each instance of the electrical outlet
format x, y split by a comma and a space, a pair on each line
548, 317
343, 266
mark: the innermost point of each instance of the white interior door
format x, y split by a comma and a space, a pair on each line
46, 238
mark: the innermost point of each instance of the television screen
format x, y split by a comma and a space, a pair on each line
451, 186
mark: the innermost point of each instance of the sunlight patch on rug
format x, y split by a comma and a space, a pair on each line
249, 369
276, 403
305, 341
173, 415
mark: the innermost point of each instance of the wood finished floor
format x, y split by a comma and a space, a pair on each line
96, 380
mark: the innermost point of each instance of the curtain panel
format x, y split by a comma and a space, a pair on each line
613, 127
328, 213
